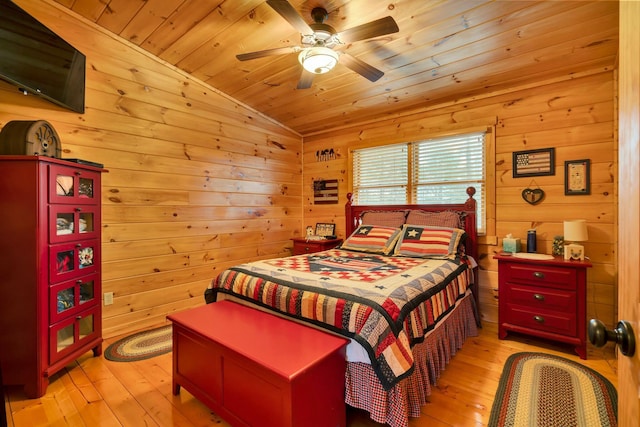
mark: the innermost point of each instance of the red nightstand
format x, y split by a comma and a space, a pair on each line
303, 246
543, 298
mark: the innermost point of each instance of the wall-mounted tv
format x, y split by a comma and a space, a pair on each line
38, 61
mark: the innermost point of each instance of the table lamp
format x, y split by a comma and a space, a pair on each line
575, 230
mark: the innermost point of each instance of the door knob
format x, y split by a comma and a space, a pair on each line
623, 335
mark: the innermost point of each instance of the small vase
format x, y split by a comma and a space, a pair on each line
558, 246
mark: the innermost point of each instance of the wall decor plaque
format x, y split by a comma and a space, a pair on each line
577, 177
325, 191
534, 162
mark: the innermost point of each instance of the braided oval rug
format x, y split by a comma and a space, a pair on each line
542, 390
141, 345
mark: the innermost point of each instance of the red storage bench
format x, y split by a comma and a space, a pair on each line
257, 369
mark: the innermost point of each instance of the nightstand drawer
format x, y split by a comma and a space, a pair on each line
563, 323
303, 246
541, 275
542, 298
308, 247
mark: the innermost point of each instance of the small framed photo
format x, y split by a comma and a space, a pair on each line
534, 162
577, 180
325, 229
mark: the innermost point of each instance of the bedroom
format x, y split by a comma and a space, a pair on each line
176, 211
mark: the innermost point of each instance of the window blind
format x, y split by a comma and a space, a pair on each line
437, 169
443, 168
381, 175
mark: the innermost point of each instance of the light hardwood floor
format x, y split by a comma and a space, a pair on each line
97, 392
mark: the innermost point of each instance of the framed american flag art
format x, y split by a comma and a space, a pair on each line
534, 162
325, 191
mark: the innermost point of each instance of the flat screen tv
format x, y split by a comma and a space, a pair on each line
38, 61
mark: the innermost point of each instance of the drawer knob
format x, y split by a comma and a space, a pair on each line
538, 297
538, 275
538, 319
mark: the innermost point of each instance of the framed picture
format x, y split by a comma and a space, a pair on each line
534, 162
577, 180
325, 191
325, 229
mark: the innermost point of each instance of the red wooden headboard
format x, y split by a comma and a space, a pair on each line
353, 214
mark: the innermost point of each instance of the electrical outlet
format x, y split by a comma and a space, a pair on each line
108, 298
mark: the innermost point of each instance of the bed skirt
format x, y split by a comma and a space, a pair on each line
404, 400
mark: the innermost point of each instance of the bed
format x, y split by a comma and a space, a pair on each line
402, 286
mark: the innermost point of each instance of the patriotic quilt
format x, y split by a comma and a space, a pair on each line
386, 303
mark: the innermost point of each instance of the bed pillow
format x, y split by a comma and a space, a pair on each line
429, 241
373, 238
439, 219
386, 218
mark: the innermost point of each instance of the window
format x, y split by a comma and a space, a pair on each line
380, 175
438, 169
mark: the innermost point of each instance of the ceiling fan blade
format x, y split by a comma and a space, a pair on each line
361, 67
306, 79
376, 28
291, 15
268, 52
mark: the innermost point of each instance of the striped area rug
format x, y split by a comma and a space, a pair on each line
141, 345
542, 390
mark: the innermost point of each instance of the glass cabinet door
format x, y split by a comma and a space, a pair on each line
70, 260
73, 296
69, 223
73, 185
68, 335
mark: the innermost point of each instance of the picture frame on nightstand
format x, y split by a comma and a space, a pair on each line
325, 229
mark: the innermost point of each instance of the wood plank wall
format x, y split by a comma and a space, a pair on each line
575, 116
196, 182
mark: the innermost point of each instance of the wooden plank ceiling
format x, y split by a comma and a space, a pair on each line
446, 50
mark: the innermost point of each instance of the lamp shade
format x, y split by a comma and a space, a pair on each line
575, 230
318, 60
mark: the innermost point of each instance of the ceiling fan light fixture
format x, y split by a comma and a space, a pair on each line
318, 60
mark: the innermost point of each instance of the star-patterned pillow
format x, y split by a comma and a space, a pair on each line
428, 242
372, 238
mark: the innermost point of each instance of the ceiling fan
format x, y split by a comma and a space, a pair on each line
318, 40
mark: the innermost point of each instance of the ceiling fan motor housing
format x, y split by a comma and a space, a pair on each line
323, 35
319, 14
